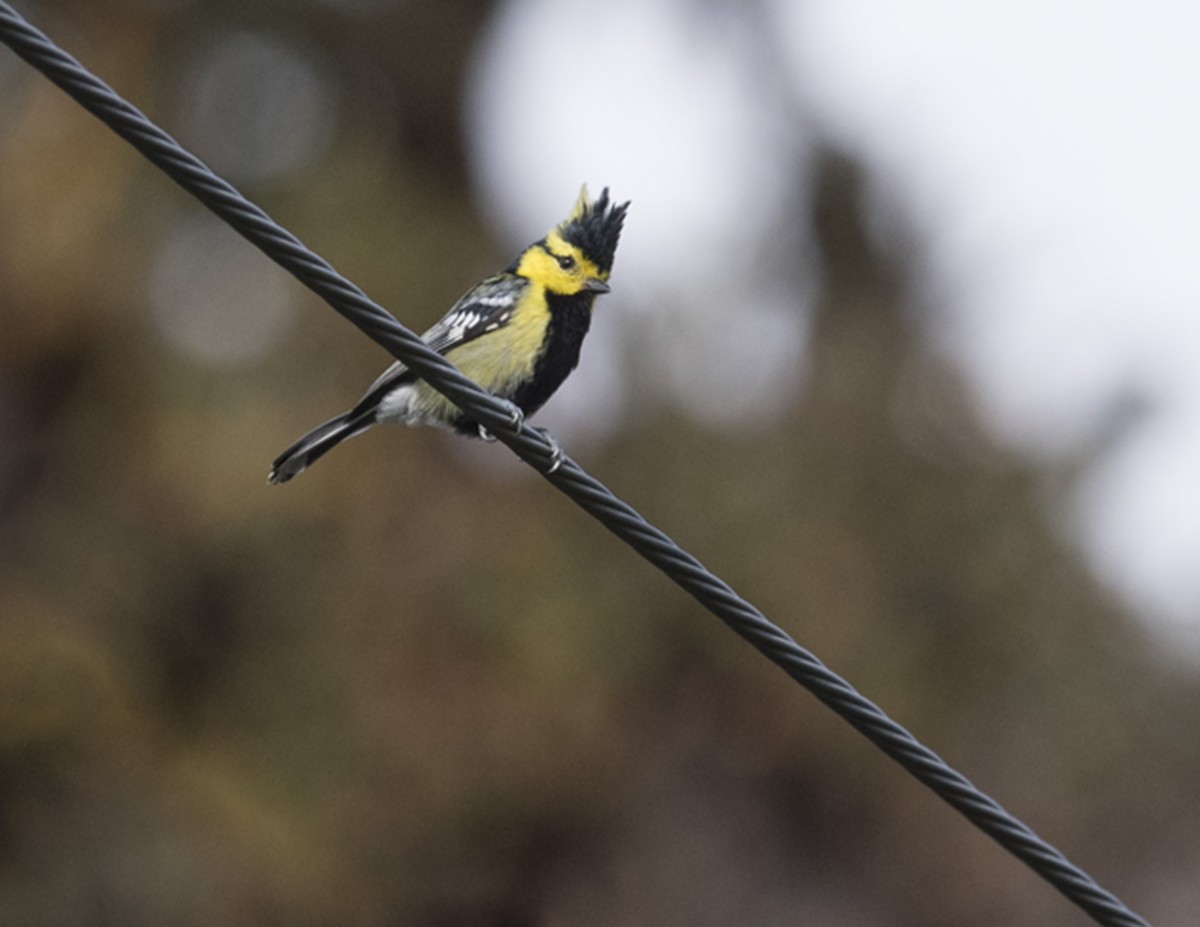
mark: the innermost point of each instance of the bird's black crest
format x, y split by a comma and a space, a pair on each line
595, 228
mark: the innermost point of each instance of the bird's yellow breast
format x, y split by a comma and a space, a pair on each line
498, 361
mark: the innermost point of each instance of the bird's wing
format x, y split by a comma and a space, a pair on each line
485, 308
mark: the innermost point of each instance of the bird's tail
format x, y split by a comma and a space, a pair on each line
322, 439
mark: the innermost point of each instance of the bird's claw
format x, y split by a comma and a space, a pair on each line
516, 420
556, 451
516, 423
516, 416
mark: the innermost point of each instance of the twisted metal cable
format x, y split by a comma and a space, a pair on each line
534, 447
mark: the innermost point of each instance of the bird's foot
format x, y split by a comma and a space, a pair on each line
556, 451
516, 420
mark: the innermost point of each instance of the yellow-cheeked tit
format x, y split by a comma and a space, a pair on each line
517, 334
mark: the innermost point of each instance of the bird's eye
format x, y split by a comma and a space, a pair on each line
566, 262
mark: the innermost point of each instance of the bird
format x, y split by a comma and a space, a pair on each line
517, 333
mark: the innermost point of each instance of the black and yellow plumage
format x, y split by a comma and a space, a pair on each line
517, 334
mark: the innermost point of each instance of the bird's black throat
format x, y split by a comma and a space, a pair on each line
570, 317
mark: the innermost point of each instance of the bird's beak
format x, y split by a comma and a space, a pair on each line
595, 285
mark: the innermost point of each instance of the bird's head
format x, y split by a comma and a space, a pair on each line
576, 256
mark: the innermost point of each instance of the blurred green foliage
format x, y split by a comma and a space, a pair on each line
410, 689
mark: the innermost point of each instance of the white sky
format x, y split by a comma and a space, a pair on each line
1050, 151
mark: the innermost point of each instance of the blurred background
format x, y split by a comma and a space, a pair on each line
902, 343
